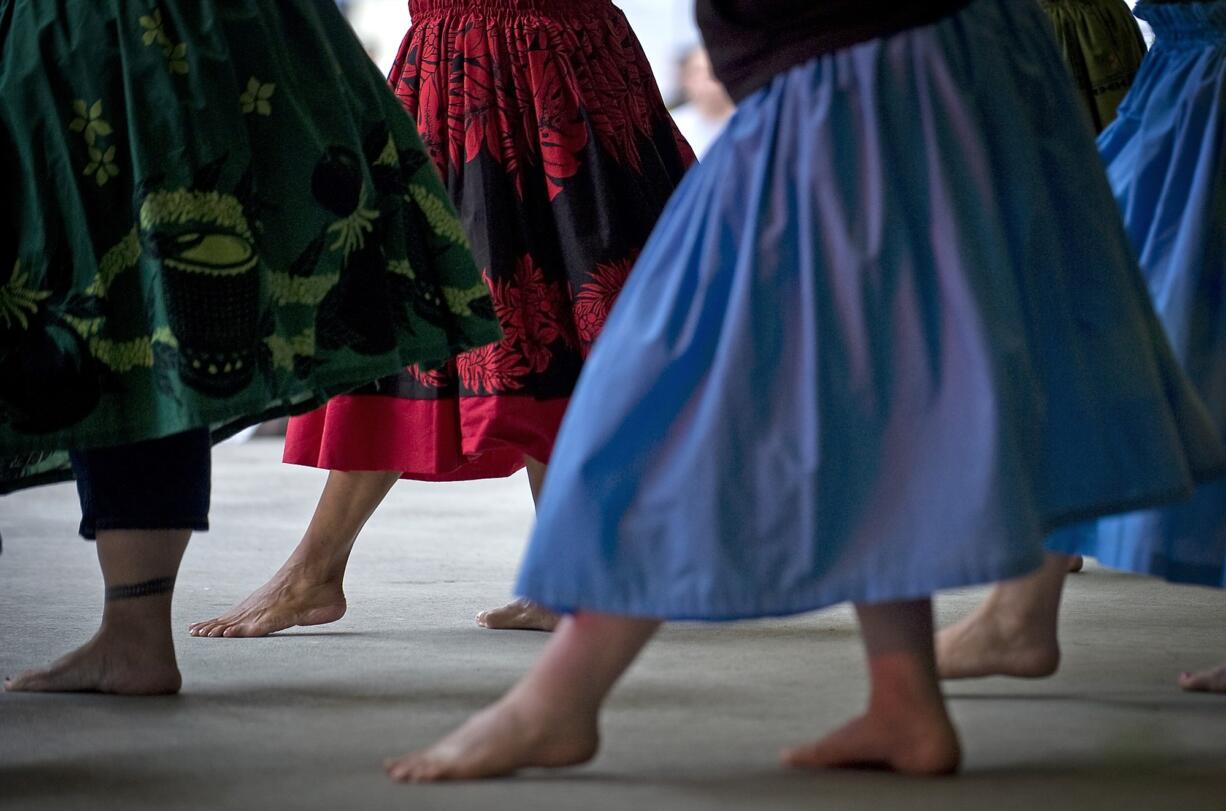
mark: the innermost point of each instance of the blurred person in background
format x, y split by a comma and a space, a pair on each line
706, 105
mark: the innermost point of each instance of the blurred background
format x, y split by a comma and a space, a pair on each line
665, 28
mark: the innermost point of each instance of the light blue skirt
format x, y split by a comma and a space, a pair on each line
1166, 158
888, 336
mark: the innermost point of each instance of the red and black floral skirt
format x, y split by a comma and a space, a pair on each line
546, 123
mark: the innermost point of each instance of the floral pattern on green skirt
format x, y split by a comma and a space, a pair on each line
213, 212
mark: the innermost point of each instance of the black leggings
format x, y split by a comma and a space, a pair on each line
155, 485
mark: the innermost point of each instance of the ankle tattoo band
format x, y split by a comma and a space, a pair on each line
147, 589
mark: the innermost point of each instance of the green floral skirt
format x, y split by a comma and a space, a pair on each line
212, 212
1103, 46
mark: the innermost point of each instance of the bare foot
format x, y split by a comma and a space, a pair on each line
914, 741
988, 643
520, 615
120, 664
291, 598
1206, 681
1013, 632
513, 734
1076, 564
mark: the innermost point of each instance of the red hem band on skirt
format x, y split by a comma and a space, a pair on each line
478, 438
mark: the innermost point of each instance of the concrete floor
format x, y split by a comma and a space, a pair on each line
303, 720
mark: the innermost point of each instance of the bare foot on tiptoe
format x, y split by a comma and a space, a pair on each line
991, 643
510, 735
520, 615
1014, 632
1206, 681
291, 598
910, 740
109, 663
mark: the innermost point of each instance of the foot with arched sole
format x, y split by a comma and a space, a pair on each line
519, 615
1014, 632
1205, 681
124, 664
989, 644
291, 598
910, 741
510, 735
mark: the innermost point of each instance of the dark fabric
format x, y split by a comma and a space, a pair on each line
753, 40
157, 484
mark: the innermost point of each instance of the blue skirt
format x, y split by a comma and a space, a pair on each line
1166, 157
882, 341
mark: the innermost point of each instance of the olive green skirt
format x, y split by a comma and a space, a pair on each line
1103, 47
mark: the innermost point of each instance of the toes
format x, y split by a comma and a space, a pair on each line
20, 683
520, 619
428, 772
1190, 682
41, 681
796, 756
1210, 681
224, 626
419, 768
249, 629
404, 770
494, 620
810, 757
395, 769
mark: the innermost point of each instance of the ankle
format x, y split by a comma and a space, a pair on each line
1021, 618
141, 616
315, 571
543, 710
909, 697
902, 683
148, 634
1030, 602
